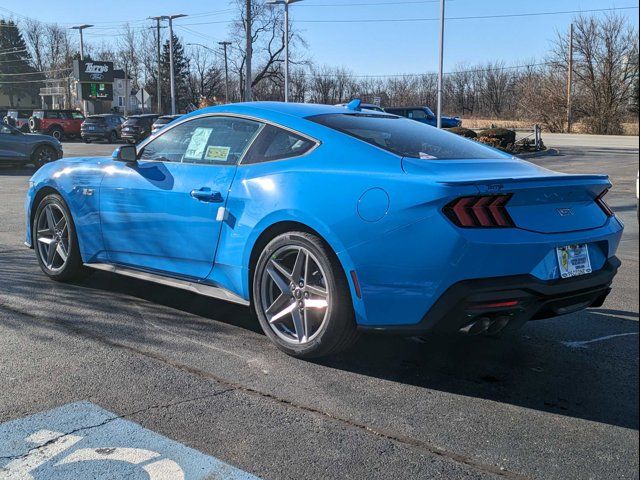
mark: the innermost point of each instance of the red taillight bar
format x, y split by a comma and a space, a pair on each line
603, 205
486, 211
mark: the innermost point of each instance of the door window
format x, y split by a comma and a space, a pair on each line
209, 141
417, 114
275, 143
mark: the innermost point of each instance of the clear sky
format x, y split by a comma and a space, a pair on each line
368, 48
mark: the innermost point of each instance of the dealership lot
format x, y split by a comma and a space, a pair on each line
128, 365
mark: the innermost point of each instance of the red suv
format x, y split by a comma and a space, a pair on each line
57, 123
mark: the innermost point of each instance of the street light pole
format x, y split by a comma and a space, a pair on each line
440, 63
172, 80
158, 80
248, 93
80, 28
225, 45
286, 42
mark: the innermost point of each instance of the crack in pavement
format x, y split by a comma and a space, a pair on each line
111, 419
233, 386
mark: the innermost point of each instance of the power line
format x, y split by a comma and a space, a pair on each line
412, 75
373, 4
35, 73
472, 17
35, 81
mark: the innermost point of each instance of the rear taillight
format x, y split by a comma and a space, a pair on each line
487, 211
603, 205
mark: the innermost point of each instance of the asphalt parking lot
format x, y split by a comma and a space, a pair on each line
119, 364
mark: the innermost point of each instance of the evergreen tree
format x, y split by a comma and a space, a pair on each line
181, 75
16, 69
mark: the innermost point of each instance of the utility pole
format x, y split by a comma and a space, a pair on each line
158, 79
440, 64
286, 42
248, 94
172, 79
225, 45
126, 91
80, 28
570, 79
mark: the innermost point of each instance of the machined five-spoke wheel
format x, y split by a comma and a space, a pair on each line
302, 298
52, 236
55, 241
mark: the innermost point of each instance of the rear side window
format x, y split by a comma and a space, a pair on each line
52, 115
209, 141
406, 138
275, 143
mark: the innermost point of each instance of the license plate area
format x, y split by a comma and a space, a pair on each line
574, 260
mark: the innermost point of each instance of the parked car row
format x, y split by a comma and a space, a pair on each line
64, 124
421, 114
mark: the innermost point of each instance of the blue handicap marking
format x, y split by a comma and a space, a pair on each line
82, 440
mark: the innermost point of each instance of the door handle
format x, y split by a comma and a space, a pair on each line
206, 195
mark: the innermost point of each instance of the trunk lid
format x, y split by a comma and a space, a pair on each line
541, 200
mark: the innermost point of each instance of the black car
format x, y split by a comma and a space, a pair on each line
17, 148
137, 127
102, 127
162, 121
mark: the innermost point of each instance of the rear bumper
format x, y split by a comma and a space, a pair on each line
94, 135
465, 302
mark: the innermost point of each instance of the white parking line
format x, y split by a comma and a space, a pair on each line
583, 344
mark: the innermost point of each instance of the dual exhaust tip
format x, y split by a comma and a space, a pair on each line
486, 325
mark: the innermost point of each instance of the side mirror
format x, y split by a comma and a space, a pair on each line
125, 153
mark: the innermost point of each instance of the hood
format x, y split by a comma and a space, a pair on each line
37, 137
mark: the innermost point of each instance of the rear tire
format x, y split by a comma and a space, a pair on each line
113, 137
57, 133
53, 228
302, 298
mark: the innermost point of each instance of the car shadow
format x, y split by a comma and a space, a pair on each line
594, 380
25, 171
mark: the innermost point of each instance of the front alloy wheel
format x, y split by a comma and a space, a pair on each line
55, 240
52, 236
302, 298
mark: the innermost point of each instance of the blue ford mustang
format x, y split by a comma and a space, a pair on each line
330, 221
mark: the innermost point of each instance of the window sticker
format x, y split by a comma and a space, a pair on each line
217, 154
198, 143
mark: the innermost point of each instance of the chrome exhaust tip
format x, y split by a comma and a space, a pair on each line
498, 325
477, 327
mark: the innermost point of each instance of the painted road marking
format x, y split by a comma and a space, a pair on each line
583, 344
99, 445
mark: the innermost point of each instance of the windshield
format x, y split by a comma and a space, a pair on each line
96, 120
406, 138
429, 112
133, 121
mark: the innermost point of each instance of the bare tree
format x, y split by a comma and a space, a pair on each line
603, 68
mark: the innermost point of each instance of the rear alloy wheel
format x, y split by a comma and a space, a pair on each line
55, 240
57, 134
43, 154
302, 298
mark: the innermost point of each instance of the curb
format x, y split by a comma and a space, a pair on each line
542, 153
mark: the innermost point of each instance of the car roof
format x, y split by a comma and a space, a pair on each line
270, 110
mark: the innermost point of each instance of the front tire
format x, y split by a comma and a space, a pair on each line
302, 298
55, 240
42, 155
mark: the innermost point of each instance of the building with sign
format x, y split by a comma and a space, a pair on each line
96, 86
